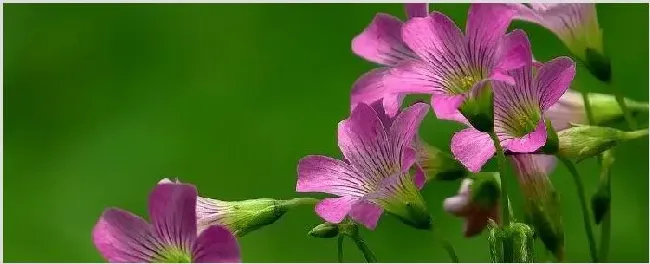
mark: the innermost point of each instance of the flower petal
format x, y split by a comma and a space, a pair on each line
364, 143
513, 52
446, 107
381, 42
553, 79
392, 102
472, 148
486, 24
529, 142
366, 213
568, 109
437, 40
404, 129
416, 9
123, 237
172, 209
328, 175
420, 177
334, 210
369, 87
216, 244
385, 119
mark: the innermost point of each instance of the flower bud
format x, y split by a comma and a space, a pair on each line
437, 164
325, 230
476, 201
583, 142
541, 202
478, 108
242, 217
600, 201
519, 237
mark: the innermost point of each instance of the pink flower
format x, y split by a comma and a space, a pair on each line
453, 66
519, 108
374, 176
381, 43
171, 237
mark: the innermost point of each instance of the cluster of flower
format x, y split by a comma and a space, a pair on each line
513, 106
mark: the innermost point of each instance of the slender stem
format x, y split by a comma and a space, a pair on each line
367, 253
631, 122
301, 201
505, 207
340, 248
446, 245
606, 224
583, 204
588, 111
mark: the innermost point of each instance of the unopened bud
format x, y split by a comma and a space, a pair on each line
583, 142
598, 64
478, 108
325, 230
601, 200
523, 243
242, 217
437, 164
495, 242
486, 189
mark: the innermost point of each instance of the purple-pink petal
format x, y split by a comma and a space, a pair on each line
123, 237
529, 142
416, 9
369, 88
404, 129
486, 24
553, 80
446, 107
413, 76
216, 245
172, 209
437, 40
472, 148
334, 210
513, 52
328, 175
366, 213
381, 42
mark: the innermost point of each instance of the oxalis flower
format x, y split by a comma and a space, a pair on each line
171, 237
518, 109
576, 24
375, 174
381, 43
454, 67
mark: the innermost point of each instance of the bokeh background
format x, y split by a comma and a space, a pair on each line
101, 101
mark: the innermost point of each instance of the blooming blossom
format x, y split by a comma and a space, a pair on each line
381, 43
519, 109
375, 173
476, 215
171, 237
451, 66
576, 24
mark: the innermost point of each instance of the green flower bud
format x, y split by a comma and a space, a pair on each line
478, 108
598, 64
583, 142
520, 238
325, 230
495, 242
601, 200
437, 164
242, 217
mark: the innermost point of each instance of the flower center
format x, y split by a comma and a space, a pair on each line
462, 84
173, 255
524, 121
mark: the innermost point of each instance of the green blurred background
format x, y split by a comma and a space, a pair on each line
102, 101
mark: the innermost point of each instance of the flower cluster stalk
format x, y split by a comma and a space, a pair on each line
505, 211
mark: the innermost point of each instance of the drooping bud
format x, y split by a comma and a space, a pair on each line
541, 202
598, 64
242, 217
601, 200
477, 202
436, 164
583, 142
478, 107
325, 230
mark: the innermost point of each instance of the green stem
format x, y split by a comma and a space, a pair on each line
583, 203
367, 253
301, 201
606, 224
631, 122
340, 248
446, 245
505, 207
588, 111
